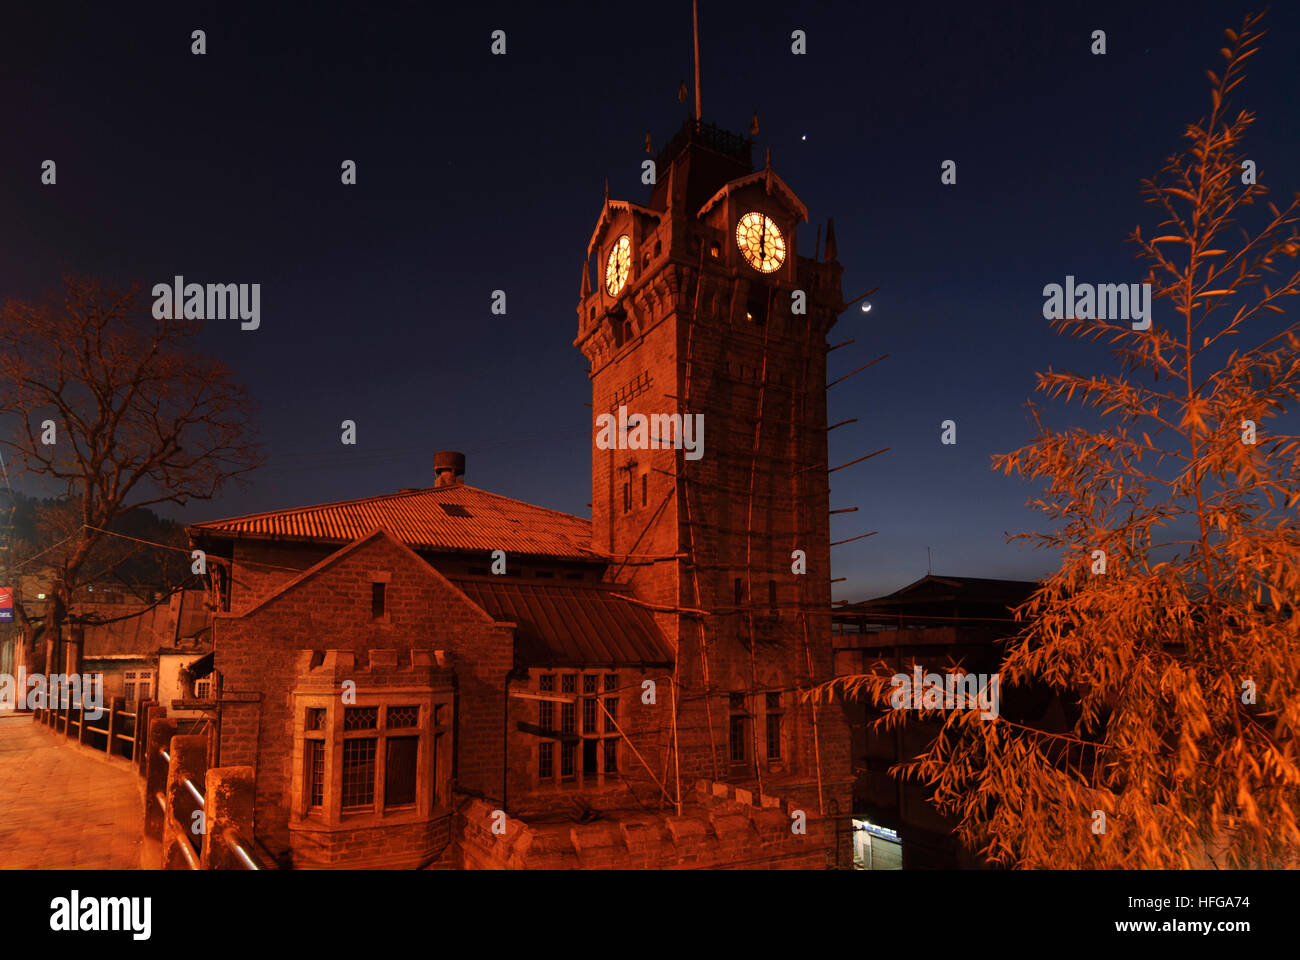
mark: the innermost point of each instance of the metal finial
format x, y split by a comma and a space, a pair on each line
695, 15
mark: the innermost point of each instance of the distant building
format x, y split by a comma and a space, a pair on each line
138, 649
135, 648
934, 623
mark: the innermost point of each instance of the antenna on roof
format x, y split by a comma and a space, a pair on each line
695, 17
928, 569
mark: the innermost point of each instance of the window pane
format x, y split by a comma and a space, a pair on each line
546, 715
611, 755
589, 681
738, 739
546, 683
403, 716
399, 770
774, 736
611, 714
589, 715
360, 718
568, 718
568, 683
358, 772
590, 750
315, 718
546, 760
316, 771
567, 751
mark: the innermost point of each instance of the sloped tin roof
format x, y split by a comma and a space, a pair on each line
129, 631
564, 624
450, 517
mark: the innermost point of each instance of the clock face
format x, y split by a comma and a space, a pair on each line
618, 264
760, 240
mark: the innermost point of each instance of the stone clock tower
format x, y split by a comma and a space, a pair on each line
702, 302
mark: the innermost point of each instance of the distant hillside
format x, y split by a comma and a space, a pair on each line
31, 529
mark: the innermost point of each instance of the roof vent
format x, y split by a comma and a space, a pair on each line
448, 467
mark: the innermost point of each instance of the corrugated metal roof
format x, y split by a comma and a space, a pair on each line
570, 623
484, 522
140, 633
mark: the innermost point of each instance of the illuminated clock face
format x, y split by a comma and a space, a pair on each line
618, 264
760, 240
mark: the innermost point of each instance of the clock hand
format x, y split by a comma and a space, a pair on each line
762, 240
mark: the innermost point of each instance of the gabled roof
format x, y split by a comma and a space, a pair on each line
453, 517
622, 205
768, 177
418, 562
944, 593
569, 624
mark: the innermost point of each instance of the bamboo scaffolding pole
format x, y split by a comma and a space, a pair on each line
662, 607
686, 505
836, 543
749, 544
883, 356
861, 296
658, 783
798, 480
859, 460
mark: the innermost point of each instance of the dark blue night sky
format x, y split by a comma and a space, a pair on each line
478, 173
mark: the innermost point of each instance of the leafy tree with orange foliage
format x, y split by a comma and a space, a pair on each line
1178, 650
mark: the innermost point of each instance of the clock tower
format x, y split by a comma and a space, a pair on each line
700, 302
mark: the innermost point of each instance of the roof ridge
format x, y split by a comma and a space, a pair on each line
420, 491
539, 582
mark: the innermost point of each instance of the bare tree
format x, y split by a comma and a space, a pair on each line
117, 409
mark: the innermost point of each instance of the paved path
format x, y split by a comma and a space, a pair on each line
62, 807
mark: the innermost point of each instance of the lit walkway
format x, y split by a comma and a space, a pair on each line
62, 807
